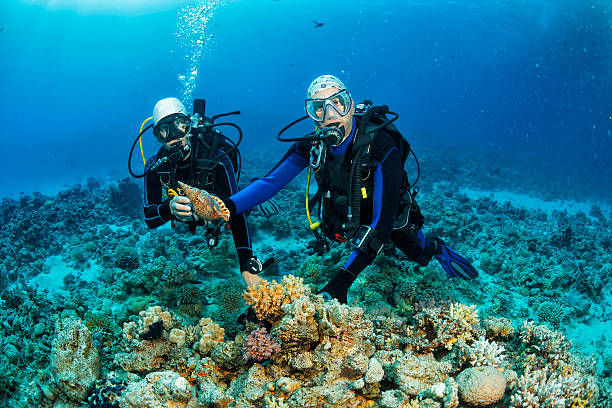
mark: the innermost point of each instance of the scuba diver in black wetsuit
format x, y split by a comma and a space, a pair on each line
197, 154
357, 157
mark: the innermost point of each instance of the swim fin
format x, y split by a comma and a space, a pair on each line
454, 264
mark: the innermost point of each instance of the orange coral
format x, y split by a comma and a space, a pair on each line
267, 298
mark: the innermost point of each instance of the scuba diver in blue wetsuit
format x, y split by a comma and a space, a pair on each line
195, 152
357, 156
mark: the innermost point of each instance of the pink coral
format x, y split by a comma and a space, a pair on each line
259, 345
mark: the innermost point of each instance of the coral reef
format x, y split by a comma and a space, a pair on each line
442, 325
160, 310
158, 389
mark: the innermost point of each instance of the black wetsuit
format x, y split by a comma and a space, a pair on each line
221, 182
379, 210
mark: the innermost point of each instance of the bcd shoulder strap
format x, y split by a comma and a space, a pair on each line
372, 121
206, 148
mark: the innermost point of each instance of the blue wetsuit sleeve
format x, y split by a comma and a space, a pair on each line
384, 202
262, 189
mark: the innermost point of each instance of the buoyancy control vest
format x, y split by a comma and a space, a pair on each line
207, 149
206, 159
346, 183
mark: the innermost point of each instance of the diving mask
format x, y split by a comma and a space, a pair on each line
173, 127
340, 102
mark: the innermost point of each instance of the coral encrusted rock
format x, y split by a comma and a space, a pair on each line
159, 389
75, 362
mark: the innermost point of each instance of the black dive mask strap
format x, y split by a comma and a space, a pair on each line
332, 136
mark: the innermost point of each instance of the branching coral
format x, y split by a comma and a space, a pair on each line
259, 345
465, 316
273, 402
545, 388
312, 269
126, 258
442, 325
544, 347
267, 298
177, 273
498, 327
552, 312
486, 353
228, 295
101, 323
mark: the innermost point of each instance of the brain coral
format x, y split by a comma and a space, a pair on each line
481, 386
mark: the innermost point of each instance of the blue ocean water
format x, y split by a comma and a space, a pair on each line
528, 79
507, 104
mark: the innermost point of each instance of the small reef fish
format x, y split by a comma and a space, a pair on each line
317, 24
206, 206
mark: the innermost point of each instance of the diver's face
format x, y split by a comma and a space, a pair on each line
181, 126
332, 117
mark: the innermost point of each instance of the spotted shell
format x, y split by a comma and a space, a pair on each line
206, 206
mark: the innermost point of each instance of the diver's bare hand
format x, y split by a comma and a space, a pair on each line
250, 278
180, 207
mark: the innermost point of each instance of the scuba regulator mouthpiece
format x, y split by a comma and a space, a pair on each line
333, 136
177, 152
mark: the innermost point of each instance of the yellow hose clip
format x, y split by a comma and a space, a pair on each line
175, 192
313, 225
144, 161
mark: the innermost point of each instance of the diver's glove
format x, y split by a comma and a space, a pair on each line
339, 285
318, 246
454, 264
